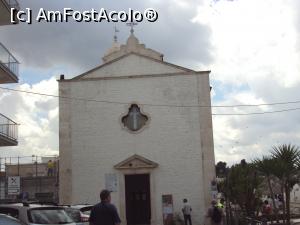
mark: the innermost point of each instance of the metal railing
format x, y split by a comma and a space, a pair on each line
13, 4
8, 60
8, 128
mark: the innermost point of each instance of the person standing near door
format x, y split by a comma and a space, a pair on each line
104, 213
186, 210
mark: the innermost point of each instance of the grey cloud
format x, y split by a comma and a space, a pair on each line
258, 133
37, 130
81, 45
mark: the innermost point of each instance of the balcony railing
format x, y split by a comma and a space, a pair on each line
8, 128
13, 4
8, 60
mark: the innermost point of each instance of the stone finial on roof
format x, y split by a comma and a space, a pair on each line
115, 36
132, 46
115, 46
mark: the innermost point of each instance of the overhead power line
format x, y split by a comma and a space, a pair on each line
254, 113
178, 106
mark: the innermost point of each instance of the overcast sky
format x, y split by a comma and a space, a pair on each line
251, 46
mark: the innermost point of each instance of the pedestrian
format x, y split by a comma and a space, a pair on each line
186, 210
215, 213
266, 211
50, 166
266, 208
221, 203
104, 213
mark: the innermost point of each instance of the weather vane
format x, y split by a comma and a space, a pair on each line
115, 36
131, 24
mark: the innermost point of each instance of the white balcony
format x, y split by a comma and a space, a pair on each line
9, 66
5, 6
8, 131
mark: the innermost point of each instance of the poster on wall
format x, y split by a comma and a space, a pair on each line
111, 183
167, 208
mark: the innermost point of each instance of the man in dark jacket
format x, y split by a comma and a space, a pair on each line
104, 213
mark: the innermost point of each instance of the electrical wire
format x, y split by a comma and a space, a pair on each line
178, 106
254, 113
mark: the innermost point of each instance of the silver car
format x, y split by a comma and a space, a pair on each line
8, 220
79, 213
36, 214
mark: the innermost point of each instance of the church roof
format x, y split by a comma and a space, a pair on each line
180, 68
115, 48
132, 45
139, 60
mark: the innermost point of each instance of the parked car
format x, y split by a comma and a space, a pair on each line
35, 214
8, 220
295, 221
79, 213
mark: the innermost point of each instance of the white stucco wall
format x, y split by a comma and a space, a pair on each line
179, 139
133, 65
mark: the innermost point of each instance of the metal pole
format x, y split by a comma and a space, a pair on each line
18, 165
57, 180
1, 180
6, 191
36, 174
36, 166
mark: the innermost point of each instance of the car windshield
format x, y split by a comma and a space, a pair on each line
74, 214
49, 216
8, 221
86, 210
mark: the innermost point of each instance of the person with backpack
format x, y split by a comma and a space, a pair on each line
215, 213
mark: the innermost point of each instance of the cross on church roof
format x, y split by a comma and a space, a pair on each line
131, 24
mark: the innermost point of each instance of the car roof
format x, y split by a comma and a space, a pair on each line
23, 210
80, 206
27, 206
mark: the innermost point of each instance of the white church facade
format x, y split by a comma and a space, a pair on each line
133, 125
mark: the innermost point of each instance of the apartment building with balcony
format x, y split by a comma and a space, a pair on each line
5, 7
9, 71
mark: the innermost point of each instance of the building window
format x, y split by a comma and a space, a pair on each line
134, 120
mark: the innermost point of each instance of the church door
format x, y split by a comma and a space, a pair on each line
138, 207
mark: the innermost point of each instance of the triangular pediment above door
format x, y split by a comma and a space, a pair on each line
136, 162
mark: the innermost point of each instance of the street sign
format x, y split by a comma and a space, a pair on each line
13, 185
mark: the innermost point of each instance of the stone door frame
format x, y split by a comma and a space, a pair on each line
136, 165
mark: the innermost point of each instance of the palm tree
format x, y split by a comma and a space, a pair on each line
266, 167
242, 185
287, 159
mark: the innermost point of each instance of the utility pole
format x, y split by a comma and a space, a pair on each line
57, 180
36, 175
18, 165
1, 179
